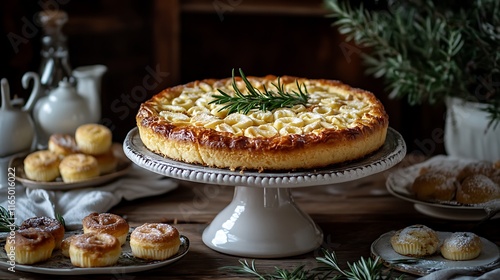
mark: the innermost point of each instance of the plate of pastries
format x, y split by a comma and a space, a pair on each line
106, 244
449, 188
87, 158
419, 249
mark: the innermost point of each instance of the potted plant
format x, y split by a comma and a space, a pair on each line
435, 51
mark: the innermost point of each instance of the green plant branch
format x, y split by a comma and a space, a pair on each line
364, 269
427, 50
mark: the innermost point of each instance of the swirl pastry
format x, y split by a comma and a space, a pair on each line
32, 245
106, 223
94, 250
47, 224
155, 241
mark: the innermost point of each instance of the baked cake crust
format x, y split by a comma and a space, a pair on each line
338, 124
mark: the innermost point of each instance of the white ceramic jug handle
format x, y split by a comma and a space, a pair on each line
34, 92
5, 95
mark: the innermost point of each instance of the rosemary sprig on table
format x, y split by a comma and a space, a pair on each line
6, 220
267, 100
364, 269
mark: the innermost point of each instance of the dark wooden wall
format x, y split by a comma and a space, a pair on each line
175, 42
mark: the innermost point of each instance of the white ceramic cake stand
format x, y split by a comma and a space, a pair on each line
262, 220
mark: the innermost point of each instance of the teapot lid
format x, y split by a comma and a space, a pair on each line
65, 89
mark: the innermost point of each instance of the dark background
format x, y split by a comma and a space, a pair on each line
190, 40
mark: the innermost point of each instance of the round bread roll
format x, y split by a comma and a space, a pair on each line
94, 250
32, 245
431, 186
107, 162
93, 139
47, 224
155, 241
78, 167
477, 189
415, 241
42, 166
476, 168
63, 144
106, 223
461, 246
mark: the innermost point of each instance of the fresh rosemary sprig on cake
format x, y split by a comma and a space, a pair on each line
364, 269
6, 220
267, 100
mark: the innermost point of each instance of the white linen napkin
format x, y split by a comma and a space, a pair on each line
461, 274
75, 204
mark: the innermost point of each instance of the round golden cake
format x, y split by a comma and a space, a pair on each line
42, 166
461, 246
336, 123
415, 241
155, 241
78, 167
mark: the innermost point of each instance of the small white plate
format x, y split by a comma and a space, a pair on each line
122, 168
399, 182
487, 260
61, 265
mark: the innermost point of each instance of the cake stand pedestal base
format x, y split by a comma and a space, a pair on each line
262, 223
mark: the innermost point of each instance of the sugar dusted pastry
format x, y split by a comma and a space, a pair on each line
32, 245
78, 167
415, 241
461, 246
337, 123
93, 139
434, 186
477, 189
63, 144
42, 166
106, 223
94, 250
155, 241
47, 224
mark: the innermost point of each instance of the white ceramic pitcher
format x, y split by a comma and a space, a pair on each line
17, 127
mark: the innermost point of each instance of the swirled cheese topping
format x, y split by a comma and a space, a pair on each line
327, 108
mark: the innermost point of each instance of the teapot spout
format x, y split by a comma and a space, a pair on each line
88, 85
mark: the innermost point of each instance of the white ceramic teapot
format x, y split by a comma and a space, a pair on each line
62, 111
17, 127
66, 107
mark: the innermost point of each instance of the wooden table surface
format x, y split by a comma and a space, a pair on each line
352, 215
